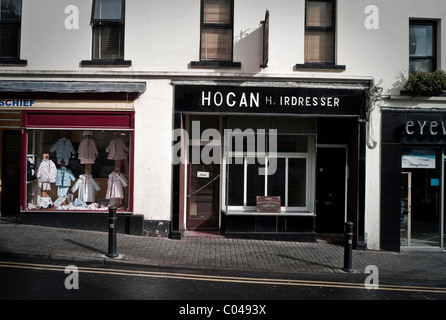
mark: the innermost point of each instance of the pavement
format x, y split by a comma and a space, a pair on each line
326, 256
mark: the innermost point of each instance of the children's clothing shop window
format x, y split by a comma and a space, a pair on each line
78, 170
108, 29
288, 172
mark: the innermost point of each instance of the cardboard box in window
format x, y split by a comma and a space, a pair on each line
269, 204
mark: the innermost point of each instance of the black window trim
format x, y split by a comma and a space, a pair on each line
434, 57
106, 22
202, 63
14, 61
322, 66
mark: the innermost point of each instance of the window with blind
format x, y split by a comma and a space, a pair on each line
216, 30
10, 21
108, 29
320, 32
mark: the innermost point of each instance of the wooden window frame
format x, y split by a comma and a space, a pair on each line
15, 24
434, 55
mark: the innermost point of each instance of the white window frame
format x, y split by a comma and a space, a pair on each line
309, 156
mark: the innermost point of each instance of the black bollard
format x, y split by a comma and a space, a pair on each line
348, 247
112, 217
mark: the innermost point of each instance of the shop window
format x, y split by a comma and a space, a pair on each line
422, 46
10, 29
216, 34
78, 170
291, 176
107, 19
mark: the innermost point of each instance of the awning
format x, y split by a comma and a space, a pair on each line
128, 91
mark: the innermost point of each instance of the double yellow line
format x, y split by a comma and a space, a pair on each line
215, 278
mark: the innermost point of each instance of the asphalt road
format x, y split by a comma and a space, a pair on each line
191, 290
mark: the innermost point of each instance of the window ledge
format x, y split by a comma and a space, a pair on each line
13, 62
106, 63
215, 64
319, 67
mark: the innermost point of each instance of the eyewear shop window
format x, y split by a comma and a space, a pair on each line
77, 170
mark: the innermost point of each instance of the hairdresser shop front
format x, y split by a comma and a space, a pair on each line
268, 160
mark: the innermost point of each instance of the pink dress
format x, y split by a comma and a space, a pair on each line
87, 151
116, 185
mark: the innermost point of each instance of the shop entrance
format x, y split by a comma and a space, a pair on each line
331, 186
10, 186
203, 195
421, 197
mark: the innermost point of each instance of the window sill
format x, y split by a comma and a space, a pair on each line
215, 64
13, 62
255, 213
106, 63
319, 67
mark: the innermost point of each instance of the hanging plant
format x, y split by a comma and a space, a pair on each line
426, 83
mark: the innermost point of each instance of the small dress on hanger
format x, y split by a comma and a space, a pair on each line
116, 185
117, 150
87, 151
47, 174
86, 187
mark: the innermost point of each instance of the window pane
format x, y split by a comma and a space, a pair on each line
255, 184
420, 65
216, 44
108, 42
319, 47
10, 9
217, 11
108, 10
9, 42
297, 182
319, 14
235, 182
276, 182
292, 143
421, 40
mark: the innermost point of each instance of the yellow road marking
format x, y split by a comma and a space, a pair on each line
230, 279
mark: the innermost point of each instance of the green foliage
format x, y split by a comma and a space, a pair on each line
427, 83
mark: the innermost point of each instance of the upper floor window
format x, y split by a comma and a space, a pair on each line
216, 34
10, 25
216, 30
108, 29
320, 31
422, 46
107, 20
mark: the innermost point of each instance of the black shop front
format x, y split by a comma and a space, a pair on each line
412, 175
275, 160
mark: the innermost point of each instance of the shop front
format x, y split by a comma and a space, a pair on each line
412, 197
76, 154
269, 160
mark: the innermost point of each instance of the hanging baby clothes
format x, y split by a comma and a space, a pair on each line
117, 150
64, 149
116, 183
47, 174
63, 181
87, 151
86, 187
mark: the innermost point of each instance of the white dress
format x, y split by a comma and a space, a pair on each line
116, 185
87, 151
47, 174
86, 187
117, 150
